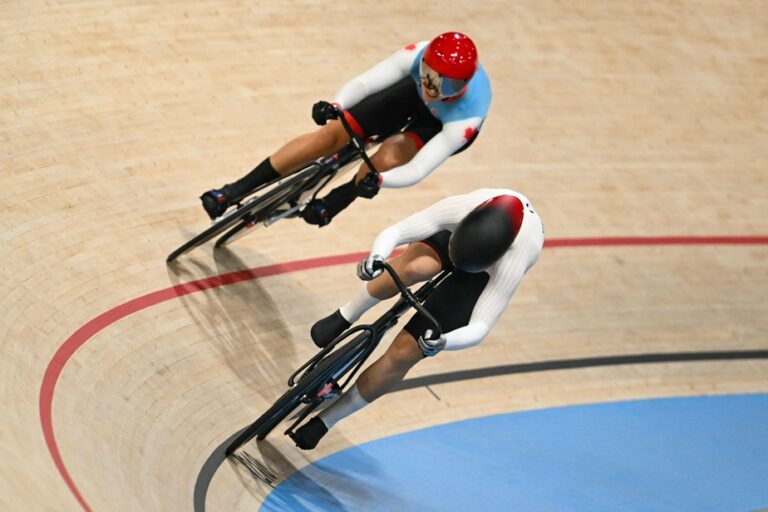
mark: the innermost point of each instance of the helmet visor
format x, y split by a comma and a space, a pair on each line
438, 86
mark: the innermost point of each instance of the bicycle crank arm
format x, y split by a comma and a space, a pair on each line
284, 214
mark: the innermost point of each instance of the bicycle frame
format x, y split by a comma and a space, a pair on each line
318, 379
365, 343
315, 176
263, 208
326, 170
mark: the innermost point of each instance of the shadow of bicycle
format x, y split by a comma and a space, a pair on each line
309, 488
241, 321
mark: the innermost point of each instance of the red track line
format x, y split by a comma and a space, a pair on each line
93, 327
96, 325
657, 240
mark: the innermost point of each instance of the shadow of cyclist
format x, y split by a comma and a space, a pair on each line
240, 321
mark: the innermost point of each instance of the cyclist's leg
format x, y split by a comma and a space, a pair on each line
390, 369
308, 147
295, 153
422, 128
382, 113
378, 379
394, 151
451, 304
419, 262
397, 150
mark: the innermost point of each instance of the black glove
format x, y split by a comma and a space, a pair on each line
322, 112
369, 186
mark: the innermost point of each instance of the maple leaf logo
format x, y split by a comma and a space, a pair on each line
410, 47
469, 133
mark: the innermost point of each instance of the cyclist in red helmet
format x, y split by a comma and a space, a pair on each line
448, 64
490, 238
435, 95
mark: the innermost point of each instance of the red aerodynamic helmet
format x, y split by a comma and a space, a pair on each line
453, 58
453, 55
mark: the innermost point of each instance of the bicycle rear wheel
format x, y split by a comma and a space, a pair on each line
217, 227
332, 367
269, 199
246, 225
292, 191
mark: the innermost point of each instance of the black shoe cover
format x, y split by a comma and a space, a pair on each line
325, 331
310, 434
316, 213
215, 203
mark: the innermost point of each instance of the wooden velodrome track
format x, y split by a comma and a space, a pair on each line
618, 119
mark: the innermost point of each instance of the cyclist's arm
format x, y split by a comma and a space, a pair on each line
450, 139
490, 305
444, 214
379, 77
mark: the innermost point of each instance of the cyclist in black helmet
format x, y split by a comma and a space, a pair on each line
489, 237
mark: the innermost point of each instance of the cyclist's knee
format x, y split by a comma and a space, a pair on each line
394, 151
332, 135
419, 263
417, 270
385, 160
404, 351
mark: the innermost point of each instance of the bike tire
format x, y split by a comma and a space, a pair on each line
317, 378
292, 398
269, 420
256, 217
216, 228
237, 232
229, 220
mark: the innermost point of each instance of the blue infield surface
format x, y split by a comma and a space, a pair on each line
674, 454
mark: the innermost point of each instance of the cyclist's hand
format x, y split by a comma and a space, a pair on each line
429, 345
369, 186
365, 270
322, 112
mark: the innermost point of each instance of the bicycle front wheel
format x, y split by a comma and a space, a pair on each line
333, 366
284, 406
215, 229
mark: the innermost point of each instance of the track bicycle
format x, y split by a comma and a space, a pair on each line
286, 196
326, 374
